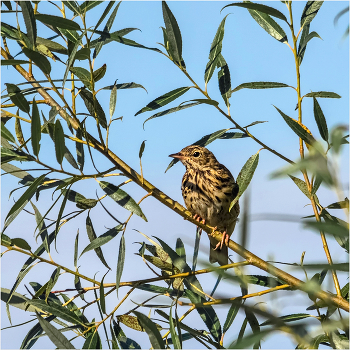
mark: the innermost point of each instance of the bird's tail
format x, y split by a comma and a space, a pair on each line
218, 255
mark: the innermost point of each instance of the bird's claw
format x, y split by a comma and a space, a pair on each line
225, 238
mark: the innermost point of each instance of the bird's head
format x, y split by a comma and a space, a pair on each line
195, 157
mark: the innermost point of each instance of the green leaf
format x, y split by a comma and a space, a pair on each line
306, 39
231, 315
88, 5
287, 318
103, 239
21, 243
17, 300
40, 60
297, 128
254, 325
120, 265
52, 45
124, 86
113, 100
142, 148
339, 205
310, 11
57, 21
102, 295
6, 134
57, 310
302, 185
173, 33
164, 100
180, 249
94, 107
23, 200
175, 338
99, 73
80, 150
261, 8
72, 56
320, 120
52, 281
105, 13
303, 43
224, 79
323, 94
60, 146
29, 20
171, 110
215, 52
328, 227
245, 176
250, 339
12, 62
84, 76
316, 185
109, 37
60, 213
260, 85
35, 129
122, 198
151, 330
92, 236
92, 341
83, 54
17, 97
268, 24
106, 29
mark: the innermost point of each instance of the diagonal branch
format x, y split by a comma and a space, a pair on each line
173, 205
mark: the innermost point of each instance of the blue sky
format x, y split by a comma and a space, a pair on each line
252, 55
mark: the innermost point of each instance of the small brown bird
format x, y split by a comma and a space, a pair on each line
208, 188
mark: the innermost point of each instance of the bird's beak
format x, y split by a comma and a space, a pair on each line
177, 155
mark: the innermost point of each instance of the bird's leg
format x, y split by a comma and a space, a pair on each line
225, 238
199, 219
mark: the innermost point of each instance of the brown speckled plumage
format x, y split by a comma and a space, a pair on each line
208, 188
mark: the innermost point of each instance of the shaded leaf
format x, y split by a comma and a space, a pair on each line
250, 339
320, 120
99, 73
164, 100
328, 227
261, 8
122, 198
80, 150
29, 20
120, 265
17, 97
224, 79
84, 75
5, 133
260, 85
173, 33
103, 239
94, 107
231, 315
245, 176
339, 205
92, 341
215, 52
17, 300
102, 296
175, 338
12, 62
151, 330
92, 236
40, 60
35, 129
304, 41
57, 21
287, 318
54, 334
297, 128
60, 146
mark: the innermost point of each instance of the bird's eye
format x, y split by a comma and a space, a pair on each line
196, 154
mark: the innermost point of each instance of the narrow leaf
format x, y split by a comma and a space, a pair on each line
99, 73
35, 129
103, 239
245, 176
113, 100
40, 60
164, 100
102, 296
57, 21
260, 85
302, 185
173, 33
6, 134
310, 11
29, 20
231, 315
320, 120
151, 330
59, 142
80, 150
261, 8
288, 318
12, 62
120, 265
268, 24
94, 107
122, 198
174, 336
224, 79
17, 97
42, 228
84, 76
323, 94
297, 128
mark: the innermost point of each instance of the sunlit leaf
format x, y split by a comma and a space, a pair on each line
231, 315
29, 20
260, 85
121, 259
320, 120
35, 129
17, 300
84, 75
17, 97
288, 318
175, 338
224, 79
323, 94
310, 11
94, 107
113, 100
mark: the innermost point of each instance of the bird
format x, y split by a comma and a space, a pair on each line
208, 188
